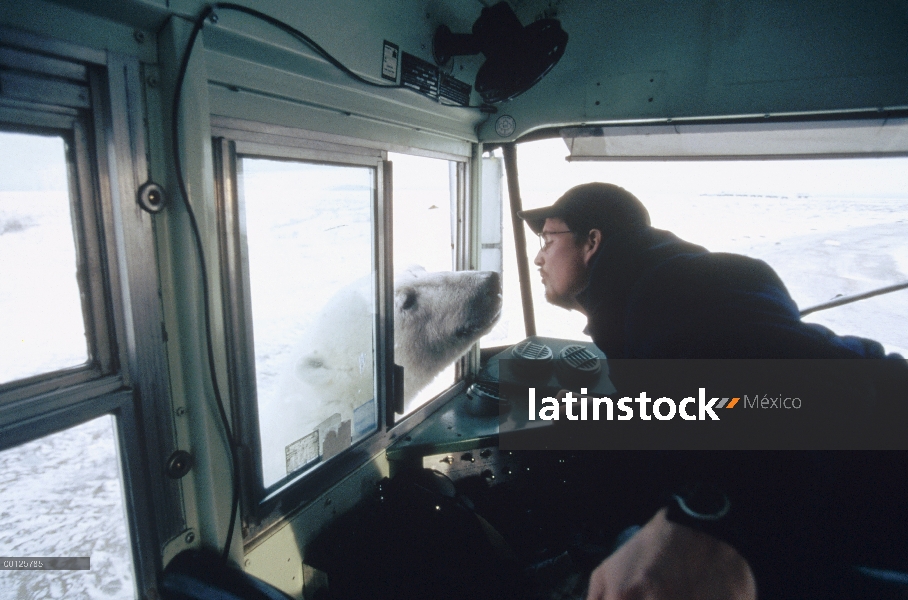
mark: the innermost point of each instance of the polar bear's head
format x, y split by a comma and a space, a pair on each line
437, 317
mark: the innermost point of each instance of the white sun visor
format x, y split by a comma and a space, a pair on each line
788, 139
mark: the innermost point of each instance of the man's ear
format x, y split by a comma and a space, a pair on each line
591, 245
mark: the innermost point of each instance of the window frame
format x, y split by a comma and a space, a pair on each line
90, 265
263, 509
875, 137
100, 112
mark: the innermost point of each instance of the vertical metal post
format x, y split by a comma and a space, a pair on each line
391, 376
520, 242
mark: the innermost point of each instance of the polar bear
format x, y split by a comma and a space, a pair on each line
326, 397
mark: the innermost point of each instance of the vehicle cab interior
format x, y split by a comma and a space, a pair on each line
266, 293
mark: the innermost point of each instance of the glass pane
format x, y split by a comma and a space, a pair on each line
511, 327
828, 227
41, 324
424, 233
61, 496
308, 232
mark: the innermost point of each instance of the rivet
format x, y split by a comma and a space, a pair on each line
139, 36
179, 464
190, 537
151, 197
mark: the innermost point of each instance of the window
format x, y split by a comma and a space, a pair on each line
299, 241
306, 254
79, 312
830, 227
40, 304
308, 232
62, 497
425, 219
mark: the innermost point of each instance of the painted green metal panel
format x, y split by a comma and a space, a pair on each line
625, 60
87, 29
656, 60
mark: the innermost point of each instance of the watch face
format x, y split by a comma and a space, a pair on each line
505, 126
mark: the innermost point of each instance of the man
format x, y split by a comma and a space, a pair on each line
648, 294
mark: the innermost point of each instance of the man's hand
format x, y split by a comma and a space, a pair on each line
667, 560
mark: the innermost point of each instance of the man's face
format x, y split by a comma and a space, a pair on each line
562, 264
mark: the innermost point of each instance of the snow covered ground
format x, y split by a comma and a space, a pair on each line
61, 496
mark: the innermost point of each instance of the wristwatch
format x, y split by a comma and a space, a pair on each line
703, 507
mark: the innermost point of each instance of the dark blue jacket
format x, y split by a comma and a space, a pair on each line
653, 295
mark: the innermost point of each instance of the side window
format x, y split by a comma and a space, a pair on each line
71, 452
425, 232
41, 317
299, 239
62, 497
308, 234
61, 490
309, 227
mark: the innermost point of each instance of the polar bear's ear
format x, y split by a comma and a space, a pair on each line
311, 365
405, 298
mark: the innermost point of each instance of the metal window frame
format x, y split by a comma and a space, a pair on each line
785, 137
75, 129
263, 510
836, 135
261, 504
126, 375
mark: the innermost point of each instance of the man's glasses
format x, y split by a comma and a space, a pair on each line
544, 240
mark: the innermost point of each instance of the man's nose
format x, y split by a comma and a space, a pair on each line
538, 260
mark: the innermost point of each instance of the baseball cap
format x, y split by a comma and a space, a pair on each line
603, 206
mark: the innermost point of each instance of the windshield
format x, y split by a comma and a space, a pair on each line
830, 228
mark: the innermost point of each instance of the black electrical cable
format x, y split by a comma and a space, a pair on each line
302, 37
299, 35
178, 165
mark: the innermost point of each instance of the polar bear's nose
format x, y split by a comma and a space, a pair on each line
492, 289
493, 283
